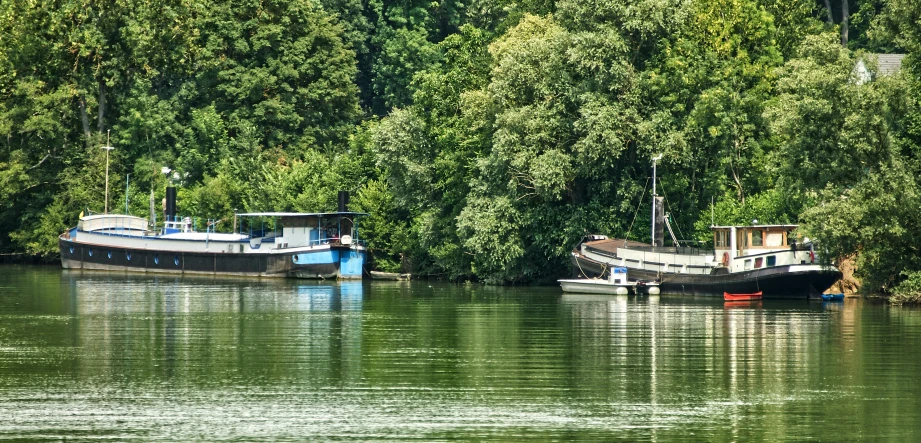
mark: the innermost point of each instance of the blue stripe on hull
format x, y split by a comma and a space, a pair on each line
316, 258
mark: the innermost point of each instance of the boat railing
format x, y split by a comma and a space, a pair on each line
682, 250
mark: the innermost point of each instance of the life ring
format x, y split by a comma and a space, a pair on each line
725, 259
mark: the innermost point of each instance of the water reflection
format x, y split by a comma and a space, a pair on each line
154, 357
136, 327
728, 359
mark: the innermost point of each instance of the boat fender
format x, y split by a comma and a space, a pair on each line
725, 259
811, 256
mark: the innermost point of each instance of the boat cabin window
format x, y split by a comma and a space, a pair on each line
757, 238
771, 260
722, 239
791, 238
759, 262
774, 239
748, 264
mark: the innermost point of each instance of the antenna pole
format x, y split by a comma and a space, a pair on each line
654, 161
127, 180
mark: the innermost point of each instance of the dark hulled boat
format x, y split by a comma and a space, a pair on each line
746, 259
743, 260
304, 245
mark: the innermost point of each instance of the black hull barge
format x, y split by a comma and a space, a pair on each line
304, 245
746, 259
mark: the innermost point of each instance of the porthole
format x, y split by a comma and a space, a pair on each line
156, 259
295, 258
71, 249
110, 254
91, 252
128, 255
176, 260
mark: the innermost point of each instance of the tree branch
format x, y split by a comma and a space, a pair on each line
85, 119
41, 161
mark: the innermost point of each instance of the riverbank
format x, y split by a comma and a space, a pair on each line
25, 259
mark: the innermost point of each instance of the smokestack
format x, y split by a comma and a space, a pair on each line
343, 201
170, 208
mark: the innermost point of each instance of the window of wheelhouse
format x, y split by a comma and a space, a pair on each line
722, 239
757, 238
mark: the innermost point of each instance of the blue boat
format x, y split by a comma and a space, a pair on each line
832, 297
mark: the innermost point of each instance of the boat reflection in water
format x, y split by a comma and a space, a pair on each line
147, 327
682, 350
742, 304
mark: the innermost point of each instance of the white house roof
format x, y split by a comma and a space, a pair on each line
886, 64
889, 63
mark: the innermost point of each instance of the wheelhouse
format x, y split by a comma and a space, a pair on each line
296, 229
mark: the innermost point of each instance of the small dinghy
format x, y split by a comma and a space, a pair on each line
742, 297
832, 297
394, 276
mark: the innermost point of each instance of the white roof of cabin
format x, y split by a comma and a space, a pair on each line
756, 226
299, 214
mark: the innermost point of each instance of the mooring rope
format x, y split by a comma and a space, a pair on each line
645, 186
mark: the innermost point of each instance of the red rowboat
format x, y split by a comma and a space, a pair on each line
741, 297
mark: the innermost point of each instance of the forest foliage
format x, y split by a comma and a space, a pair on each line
484, 137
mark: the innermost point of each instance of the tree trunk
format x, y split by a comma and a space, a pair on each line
85, 119
845, 13
829, 18
100, 125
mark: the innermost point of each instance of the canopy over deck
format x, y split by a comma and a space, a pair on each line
101, 222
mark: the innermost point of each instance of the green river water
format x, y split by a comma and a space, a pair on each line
97, 356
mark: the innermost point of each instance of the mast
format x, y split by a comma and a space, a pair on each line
656, 209
108, 148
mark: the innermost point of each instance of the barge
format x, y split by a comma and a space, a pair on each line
756, 258
301, 245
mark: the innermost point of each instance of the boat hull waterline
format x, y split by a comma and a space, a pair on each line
321, 263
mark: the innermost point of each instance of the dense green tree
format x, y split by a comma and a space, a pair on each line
281, 66
825, 134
